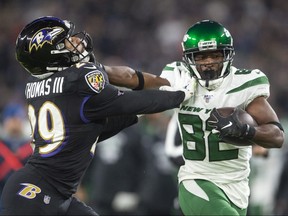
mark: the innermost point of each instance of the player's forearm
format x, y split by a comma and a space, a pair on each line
269, 136
152, 81
127, 77
122, 76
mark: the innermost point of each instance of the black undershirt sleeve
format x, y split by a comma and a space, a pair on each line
113, 102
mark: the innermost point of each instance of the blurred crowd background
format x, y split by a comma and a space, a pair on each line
146, 35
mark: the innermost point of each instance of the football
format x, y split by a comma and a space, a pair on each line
244, 118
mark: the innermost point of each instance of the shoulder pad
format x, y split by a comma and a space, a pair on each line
177, 64
177, 74
170, 66
254, 80
243, 71
91, 77
253, 72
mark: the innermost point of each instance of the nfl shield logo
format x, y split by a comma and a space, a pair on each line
207, 98
47, 199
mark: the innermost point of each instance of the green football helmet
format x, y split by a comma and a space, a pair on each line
203, 37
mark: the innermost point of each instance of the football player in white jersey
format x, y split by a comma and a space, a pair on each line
214, 178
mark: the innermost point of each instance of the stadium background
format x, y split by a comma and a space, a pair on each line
146, 34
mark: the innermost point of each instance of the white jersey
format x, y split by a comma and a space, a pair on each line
205, 157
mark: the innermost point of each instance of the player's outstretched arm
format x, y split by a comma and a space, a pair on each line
127, 77
115, 124
113, 102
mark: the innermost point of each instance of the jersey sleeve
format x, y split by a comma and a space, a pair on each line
113, 102
92, 79
254, 82
171, 73
115, 124
262, 86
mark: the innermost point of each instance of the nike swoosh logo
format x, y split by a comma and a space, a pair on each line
226, 126
91, 67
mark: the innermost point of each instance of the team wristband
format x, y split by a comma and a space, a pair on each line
140, 79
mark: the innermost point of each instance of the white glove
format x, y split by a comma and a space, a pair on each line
189, 89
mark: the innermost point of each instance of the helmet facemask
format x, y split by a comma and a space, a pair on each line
74, 54
209, 75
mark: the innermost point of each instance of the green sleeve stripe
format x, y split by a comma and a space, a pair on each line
168, 68
257, 81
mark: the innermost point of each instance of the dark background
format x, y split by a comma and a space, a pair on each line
146, 34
